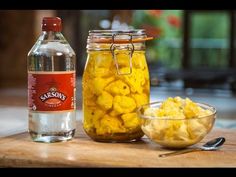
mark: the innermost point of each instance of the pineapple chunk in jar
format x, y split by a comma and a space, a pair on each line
115, 82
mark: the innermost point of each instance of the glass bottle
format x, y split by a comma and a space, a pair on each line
51, 85
115, 82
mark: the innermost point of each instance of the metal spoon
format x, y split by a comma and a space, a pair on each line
209, 146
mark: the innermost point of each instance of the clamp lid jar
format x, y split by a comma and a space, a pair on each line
115, 82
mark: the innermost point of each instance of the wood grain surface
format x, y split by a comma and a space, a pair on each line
20, 151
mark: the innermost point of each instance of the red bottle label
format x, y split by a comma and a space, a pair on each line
51, 91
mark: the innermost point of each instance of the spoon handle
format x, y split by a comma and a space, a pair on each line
180, 152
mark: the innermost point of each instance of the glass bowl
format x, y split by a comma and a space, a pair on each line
176, 133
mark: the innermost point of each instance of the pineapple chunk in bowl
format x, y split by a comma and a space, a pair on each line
176, 122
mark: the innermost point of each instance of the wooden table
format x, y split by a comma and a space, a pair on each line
19, 151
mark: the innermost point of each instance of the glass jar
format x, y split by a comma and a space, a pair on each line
115, 82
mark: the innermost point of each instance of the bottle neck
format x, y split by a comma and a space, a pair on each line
51, 35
